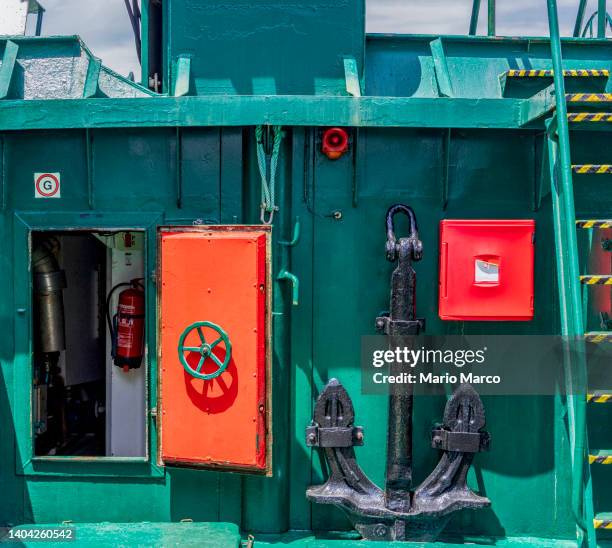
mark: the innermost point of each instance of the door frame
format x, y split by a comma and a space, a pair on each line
26, 463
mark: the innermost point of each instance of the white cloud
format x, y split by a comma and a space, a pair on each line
514, 17
103, 25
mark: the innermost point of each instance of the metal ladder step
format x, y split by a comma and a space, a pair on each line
603, 456
594, 223
599, 397
596, 279
597, 169
603, 520
571, 73
588, 97
580, 117
598, 336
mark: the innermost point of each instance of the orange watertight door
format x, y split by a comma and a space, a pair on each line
214, 347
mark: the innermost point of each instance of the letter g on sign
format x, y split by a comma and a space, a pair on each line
47, 185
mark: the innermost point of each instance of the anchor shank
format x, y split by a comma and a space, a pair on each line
402, 323
399, 453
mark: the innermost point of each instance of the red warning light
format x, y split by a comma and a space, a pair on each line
335, 142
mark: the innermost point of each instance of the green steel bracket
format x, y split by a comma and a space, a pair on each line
91, 89
2, 175
296, 235
503, 80
9, 59
182, 77
446, 147
179, 168
445, 85
359, 160
295, 284
351, 76
90, 168
551, 127
538, 105
541, 177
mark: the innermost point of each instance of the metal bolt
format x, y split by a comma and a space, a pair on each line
312, 438
380, 530
359, 436
337, 214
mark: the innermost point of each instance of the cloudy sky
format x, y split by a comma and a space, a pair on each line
105, 27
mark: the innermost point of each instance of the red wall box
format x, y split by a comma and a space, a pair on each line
486, 269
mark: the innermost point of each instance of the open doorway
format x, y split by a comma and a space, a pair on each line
89, 346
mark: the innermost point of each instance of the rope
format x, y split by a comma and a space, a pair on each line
268, 181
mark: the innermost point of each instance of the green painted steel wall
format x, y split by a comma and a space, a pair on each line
248, 47
127, 170
212, 176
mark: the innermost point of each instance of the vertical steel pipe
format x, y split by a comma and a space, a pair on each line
601, 18
491, 19
474, 18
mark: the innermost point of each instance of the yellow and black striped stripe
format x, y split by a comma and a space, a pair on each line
576, 117
599, 397
594, 223
596, 279
543, 73
588, 97
598, 336
601, 457
603, 521
592, 168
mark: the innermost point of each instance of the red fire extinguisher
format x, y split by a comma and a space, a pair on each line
127, 326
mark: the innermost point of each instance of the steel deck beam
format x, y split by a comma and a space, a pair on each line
288, 110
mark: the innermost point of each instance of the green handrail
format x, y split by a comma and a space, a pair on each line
490, 17
568, 280
588, 27
579, 17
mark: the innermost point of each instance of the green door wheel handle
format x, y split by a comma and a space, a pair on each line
205, 350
